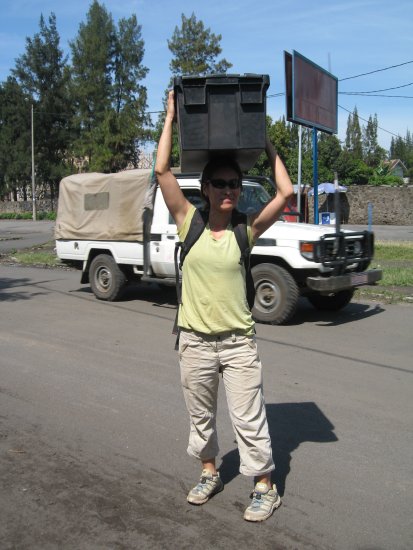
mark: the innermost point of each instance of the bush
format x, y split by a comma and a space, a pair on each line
46, 216
16, 216
379, 179
27, 216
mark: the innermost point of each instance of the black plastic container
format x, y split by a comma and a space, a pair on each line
221, 114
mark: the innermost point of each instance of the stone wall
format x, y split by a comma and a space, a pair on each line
26, 206
391, 205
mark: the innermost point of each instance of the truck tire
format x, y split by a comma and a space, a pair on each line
331, 302
106, 278
276, 294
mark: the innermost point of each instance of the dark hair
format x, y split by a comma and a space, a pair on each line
218, 162
215, 164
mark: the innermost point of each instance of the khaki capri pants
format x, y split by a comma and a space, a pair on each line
202, 359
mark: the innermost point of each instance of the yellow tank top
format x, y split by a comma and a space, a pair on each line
213, 284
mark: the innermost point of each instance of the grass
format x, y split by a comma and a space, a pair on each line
396, 261
43, 255
394, 250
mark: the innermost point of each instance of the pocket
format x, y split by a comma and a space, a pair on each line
186, 339
182, 348
251, 342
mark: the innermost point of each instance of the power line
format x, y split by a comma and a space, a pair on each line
363, 94
376, 91
364, 120
376, 71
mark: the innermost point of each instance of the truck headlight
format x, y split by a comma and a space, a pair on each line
307, 250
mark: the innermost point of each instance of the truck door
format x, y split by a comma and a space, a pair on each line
164, 234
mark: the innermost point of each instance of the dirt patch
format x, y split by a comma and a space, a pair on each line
54, 496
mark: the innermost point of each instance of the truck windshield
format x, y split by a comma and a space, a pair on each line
253, 198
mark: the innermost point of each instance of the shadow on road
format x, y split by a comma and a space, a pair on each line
166, 297
290, 424
6, 295
353, 312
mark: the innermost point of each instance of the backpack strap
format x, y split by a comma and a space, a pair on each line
239, 223
196, 228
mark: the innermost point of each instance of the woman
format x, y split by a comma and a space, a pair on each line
217, 329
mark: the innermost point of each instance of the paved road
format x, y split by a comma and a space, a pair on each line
93, 428
19, 234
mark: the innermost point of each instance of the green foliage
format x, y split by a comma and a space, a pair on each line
373, 154
51, 216
354, 136
195, 49
15, 151
329, 151
385, 179
403, 149
43, 76
351, 170
27, 216
110, 101
16, 216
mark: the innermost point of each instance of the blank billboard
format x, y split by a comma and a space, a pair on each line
311, 93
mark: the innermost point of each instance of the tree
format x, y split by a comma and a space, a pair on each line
42, 74
353, 135
92, 64
373, 154
195, 49
329, 150
351, 170
15, 157
107, 68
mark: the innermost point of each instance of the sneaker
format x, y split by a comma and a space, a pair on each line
208, 485
264, 502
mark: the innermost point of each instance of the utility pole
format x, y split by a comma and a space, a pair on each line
33, 177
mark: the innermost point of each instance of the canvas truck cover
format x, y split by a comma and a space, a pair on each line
103, 207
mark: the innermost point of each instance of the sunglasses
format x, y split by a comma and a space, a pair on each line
221, 184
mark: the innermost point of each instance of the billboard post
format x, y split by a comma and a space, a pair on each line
315, 174
311, 100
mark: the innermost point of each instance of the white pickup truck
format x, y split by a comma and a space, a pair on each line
116, 229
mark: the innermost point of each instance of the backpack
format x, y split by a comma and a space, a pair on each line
196, 228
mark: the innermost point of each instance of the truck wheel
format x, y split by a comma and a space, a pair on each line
331, 302
106, 278
276, 294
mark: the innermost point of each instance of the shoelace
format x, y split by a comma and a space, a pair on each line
257, 500
203, 483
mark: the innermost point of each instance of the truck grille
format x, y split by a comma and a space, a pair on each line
340, 250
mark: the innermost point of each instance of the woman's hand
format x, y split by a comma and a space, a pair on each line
175, 200
170, 106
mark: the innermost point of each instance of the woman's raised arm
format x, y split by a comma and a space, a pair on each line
272, 210
175, 200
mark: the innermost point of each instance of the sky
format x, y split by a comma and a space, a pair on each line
346, 37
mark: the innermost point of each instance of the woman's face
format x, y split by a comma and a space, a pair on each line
225, 199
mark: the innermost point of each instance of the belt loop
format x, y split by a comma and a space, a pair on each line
234, 337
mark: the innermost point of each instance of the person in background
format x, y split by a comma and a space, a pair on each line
217, 334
